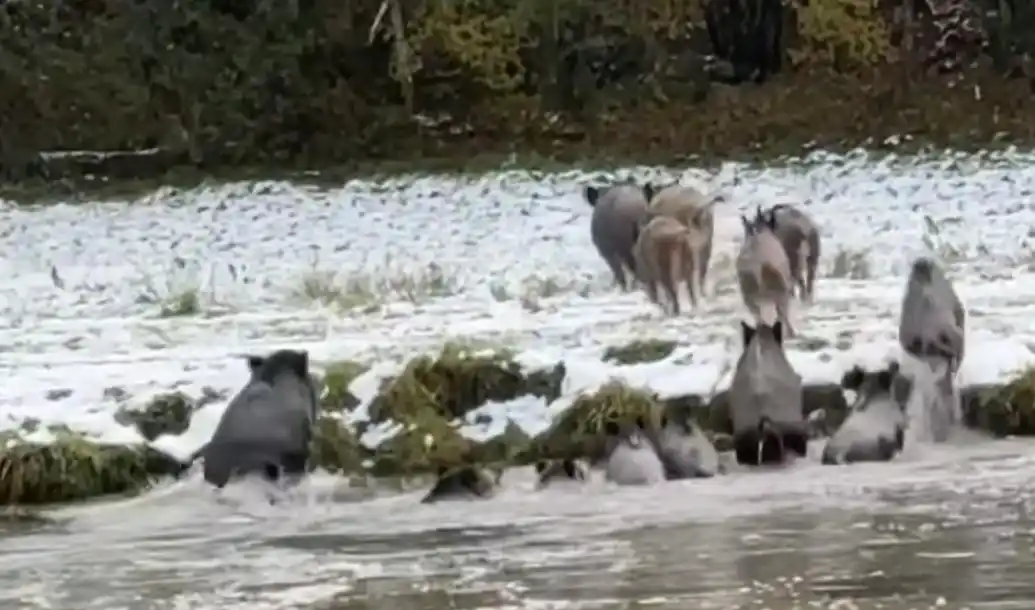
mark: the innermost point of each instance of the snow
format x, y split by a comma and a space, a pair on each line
501, 259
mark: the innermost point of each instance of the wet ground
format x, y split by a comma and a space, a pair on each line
944, 527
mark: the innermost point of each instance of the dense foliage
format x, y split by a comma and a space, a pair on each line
313, 82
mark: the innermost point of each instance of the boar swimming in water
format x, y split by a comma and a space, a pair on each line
631, 456
765, 400
463, 483
874, 430
932, 329
685, 452
800, 240
267, 426
549, 471
764, 273
695, 212
618, 212
664, 254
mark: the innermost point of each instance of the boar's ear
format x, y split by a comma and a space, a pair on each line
592, 195
649, 191
255, 363
540, 466
778, 332
747, 332
299, 363
853, 378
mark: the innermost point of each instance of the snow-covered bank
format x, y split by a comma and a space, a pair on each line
500, 259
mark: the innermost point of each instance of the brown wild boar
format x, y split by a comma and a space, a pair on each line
664, 254
618, 212
693, 209
764, 273
800, 239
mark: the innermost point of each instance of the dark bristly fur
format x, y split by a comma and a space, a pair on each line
618, 212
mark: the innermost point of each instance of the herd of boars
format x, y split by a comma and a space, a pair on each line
651, 237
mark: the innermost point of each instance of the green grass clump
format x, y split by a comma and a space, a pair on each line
1003, 410
337, 378
164, 414
335, 447
638, 352
73, 468
579, 431
456, 382
431, 395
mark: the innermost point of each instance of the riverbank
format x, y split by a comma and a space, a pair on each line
109, 305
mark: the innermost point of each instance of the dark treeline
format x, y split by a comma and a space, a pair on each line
317, 82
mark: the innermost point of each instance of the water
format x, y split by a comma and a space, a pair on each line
943, 526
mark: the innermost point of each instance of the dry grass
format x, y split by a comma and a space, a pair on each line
852, 265
369, 291
1007, 410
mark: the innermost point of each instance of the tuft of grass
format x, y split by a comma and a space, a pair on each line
184, 303
163, 414
637, 352
337, 378
851, 265
432, 393
1003, 410
579, 431
73, 468
360, 290
335, 447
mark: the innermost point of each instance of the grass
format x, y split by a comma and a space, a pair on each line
164, 414
852, 265
337, 378
649, 350
369, 291
1007, 410
72, 468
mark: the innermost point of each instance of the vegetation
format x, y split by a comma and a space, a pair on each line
638, 352
420, 413
221, 85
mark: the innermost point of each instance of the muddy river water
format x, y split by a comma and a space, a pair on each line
944, 527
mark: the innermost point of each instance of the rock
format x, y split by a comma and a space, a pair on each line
164, 414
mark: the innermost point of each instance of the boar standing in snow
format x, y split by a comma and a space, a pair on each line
663, 254
694, 210
618, 211
548, 471
764, 273
267, 427
800, 240
932, 330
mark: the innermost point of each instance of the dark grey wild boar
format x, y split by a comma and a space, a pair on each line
631, 456
685, 451
618, 212
267, 427
463, 483
932, 329
800, 240
549, 471
874, 430
764, 273
765, 400
664, 254
695, 211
